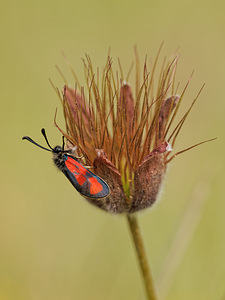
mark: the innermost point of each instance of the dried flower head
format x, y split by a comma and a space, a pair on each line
126, 136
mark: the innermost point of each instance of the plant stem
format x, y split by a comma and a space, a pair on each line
142, 257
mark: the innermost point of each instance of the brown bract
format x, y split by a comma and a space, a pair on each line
148, 178
116, 202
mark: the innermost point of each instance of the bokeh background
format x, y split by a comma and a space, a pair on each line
53, 245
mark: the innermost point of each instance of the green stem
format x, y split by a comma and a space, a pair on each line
142, 257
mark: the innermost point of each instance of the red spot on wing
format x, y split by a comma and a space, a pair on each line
80, 178
95, 186
77, 169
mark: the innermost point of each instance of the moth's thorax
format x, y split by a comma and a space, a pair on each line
58, 159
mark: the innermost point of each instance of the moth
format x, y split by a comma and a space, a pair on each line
85, 182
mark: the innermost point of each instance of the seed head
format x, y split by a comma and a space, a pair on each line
126, 136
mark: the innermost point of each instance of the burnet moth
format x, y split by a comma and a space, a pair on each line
85, 182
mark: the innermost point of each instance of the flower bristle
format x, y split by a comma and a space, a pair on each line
103, 119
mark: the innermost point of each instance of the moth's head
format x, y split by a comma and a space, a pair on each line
57, 149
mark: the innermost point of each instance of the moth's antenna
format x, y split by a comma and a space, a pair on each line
33, 142
63, 145
44, 134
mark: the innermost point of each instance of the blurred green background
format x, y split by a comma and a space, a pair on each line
53, 245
